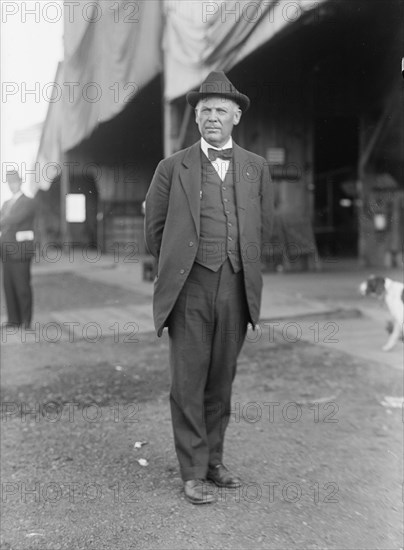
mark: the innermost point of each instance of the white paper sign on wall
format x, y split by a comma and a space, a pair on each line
75, 208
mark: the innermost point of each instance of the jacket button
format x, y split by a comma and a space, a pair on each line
191, 243
182, 271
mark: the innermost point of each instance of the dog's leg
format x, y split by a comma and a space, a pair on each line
394, 336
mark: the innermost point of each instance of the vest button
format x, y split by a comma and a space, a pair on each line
190, 243
182, 271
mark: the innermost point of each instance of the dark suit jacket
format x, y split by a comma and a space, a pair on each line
172, 222
20, 217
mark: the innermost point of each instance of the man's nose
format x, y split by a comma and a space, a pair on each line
213, 115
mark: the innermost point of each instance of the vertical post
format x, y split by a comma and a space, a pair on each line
167, 117
168, 144
175, 123
64, 190
360, 192
101, 226
174, 127
64, 176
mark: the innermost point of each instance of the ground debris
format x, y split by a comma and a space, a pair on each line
392, 402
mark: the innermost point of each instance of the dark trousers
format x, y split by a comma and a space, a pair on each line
18, 291
207, 328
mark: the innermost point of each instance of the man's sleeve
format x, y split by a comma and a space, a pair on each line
3, 214
156, 208
267, 205
20, 213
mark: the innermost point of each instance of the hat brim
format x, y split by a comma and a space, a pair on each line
242, 100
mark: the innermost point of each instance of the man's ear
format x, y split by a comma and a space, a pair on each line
237, 116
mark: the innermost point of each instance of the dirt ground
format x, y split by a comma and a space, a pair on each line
319, 454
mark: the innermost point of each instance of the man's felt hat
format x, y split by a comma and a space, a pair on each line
217, 84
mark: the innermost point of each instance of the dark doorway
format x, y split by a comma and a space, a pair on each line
85, 233
49, 213
335, 169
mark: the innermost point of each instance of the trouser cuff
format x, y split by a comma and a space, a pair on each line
198, 472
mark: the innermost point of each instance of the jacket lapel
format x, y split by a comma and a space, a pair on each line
241, 162
190, 178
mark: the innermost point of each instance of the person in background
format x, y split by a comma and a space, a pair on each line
17, 250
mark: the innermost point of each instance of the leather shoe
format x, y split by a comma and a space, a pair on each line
222, 477
197, 491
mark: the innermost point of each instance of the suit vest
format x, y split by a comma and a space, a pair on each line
219, 237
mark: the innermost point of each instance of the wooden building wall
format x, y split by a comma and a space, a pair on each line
328, 92
113, 167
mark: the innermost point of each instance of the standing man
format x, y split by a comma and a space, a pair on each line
17, 249
208, 214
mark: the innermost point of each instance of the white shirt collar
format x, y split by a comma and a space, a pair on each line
16, 196
205, 145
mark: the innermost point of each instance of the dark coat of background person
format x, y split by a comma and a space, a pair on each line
16, 258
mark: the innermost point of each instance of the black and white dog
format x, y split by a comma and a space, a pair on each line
393, 294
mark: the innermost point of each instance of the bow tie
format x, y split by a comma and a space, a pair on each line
224, 154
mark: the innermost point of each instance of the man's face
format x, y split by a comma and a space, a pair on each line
216, 117
14, 183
